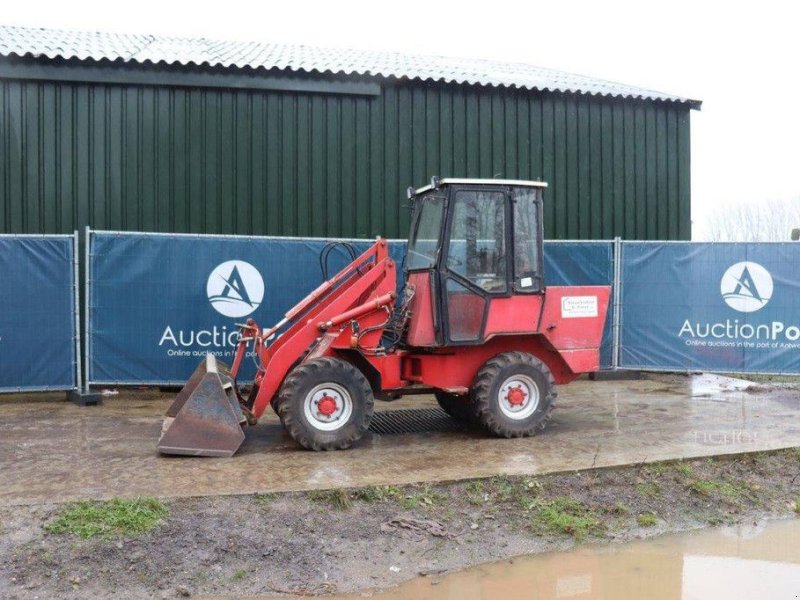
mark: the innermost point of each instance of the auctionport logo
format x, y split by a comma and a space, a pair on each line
235, 288
746, 286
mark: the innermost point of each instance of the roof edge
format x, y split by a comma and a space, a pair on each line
41, 44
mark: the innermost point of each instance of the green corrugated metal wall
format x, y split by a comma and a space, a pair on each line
211, 160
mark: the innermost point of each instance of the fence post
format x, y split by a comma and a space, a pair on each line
83, 396
76, 315
615, 318
87, 274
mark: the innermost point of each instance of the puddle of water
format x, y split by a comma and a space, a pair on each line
710, 385
761, 561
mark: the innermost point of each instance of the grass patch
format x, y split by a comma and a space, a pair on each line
684, 469
710, 488
336, 498
620, 509
505, 489
729, 491
502, 487
238, 575
647, 520
422, 496
648, 489
704, 487
264, 500
658, 469
476, 495
565, 516
797, 506
377, 493
117, 517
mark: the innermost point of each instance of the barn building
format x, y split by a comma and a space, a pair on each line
148, 133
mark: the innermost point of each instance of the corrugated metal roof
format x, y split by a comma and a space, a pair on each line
144, 49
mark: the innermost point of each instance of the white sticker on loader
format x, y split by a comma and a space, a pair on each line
573, 307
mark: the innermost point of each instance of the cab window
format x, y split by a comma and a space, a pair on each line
527, 233
425, 238
477, 245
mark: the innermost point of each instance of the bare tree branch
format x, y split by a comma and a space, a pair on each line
767, 221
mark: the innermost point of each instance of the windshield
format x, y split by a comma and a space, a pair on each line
424, 238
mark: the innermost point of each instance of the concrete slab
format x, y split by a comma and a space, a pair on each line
54, 451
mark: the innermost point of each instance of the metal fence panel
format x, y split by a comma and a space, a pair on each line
732, 307
38, 322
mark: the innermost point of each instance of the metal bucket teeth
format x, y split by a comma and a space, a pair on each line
205, 419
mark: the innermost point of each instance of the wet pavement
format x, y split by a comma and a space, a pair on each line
53, 451
742, 562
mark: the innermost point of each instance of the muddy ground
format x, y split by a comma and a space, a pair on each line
368, 538
54, 451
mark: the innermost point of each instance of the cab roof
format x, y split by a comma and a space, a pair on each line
436, 183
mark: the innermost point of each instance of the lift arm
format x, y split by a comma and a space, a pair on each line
363, 287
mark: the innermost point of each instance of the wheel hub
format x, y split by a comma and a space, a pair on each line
516, 396
326, 405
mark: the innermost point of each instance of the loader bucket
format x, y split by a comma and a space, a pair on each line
205, 419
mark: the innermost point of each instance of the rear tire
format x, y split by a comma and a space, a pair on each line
513, 395
458, 407
325, 404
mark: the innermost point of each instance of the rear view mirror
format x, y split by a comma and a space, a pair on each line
795, 234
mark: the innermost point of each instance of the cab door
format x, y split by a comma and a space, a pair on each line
475, 265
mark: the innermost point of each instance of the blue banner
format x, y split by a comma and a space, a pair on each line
38, 327
583, 263
159, 303
723, 307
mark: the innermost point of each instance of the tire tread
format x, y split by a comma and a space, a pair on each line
290, 402
482, 390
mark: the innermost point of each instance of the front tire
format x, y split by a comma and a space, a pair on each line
513, 395
325, 404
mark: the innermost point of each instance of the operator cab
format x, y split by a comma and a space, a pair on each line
471, 241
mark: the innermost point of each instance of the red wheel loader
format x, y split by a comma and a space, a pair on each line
474, 324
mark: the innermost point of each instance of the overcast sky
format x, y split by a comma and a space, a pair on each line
742, 61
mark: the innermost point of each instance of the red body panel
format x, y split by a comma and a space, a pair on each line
454, 368
465, 314
389, 368
563, 327
572, 321
517, 314
570, 317
421, 330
